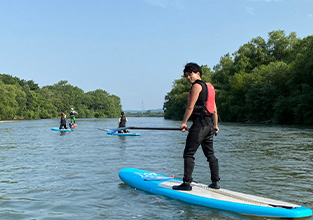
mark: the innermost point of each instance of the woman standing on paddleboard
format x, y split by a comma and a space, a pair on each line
63, 121
201, 106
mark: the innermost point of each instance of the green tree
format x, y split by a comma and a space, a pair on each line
251, 55
222, 72
264, 81
280, 46
9, 105
267, 84
103, 104
176, 100
21, 99
300, 82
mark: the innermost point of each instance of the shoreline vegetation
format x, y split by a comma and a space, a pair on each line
25, 100
269, 81
21, 99
148, 113
264, 81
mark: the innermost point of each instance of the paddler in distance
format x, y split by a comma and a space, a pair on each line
122, 123
72, 115
63, 121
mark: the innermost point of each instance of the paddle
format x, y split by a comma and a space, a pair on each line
151, 128
102, 129
144, 128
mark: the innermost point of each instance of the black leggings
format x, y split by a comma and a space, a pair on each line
200, 133
62, 125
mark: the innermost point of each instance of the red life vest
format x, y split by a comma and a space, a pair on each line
209, 100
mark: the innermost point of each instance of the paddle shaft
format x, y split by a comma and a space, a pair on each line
153, 128
144, 128
141, 128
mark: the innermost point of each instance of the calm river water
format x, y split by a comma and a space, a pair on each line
74, 176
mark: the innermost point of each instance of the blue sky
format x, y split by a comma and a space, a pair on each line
134, 49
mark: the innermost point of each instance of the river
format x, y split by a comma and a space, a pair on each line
49, 175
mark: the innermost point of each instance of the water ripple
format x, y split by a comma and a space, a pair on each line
65, 176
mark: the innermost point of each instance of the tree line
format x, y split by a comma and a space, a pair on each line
263, 81
147, 113
21, 99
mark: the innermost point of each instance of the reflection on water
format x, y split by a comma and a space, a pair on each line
74, 175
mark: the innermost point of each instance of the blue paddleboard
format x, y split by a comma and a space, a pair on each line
213, 198
58, 129
123, 134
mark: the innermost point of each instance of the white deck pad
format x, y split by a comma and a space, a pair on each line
228, 195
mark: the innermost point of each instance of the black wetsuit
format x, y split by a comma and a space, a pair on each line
122, 124
200, 133
63, 123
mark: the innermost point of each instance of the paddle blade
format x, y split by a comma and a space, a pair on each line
113, 130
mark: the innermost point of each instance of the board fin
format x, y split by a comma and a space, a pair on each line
281, 206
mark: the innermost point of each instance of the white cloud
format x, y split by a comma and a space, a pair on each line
249, 10
165, 3
158, 3
266, 0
